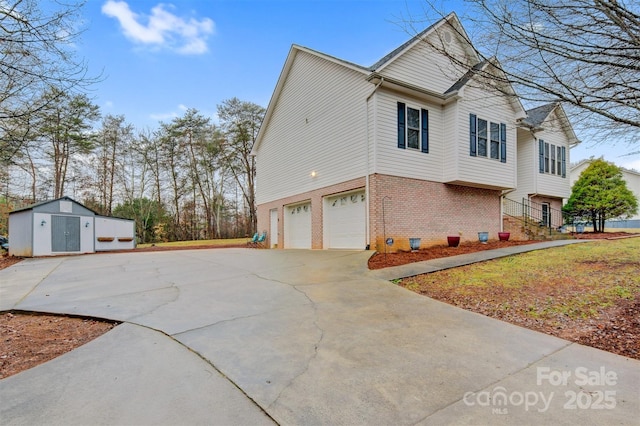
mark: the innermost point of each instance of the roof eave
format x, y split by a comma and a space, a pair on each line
402, 86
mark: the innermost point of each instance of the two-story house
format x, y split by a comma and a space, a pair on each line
545, 137
412, 147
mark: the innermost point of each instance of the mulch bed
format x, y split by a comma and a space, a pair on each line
382, 260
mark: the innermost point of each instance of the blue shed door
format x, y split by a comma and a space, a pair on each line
65, 233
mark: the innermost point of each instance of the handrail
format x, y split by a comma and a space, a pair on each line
534, 214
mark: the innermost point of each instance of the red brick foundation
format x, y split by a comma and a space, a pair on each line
430, 211
412, 209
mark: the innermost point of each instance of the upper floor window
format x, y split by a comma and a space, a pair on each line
552, 159
487, 139
413, 128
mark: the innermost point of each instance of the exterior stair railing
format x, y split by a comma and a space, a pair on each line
535, 218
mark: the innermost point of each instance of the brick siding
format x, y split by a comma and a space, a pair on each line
430, 211
413, 208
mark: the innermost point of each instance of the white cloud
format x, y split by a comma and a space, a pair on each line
162, 28
163, 116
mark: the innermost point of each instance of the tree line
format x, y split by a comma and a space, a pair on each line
188, 179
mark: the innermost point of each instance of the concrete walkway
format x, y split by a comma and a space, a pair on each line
235, 336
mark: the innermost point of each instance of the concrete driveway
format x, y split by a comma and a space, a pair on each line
241, 336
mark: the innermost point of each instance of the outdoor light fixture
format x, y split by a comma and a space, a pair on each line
313, 174
86, 225
43, 223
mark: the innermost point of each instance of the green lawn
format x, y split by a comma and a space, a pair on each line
578, 281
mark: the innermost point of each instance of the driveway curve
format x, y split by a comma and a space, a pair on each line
242, 336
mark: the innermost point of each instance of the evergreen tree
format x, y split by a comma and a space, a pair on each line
600, 193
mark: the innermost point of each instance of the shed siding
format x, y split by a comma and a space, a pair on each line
41, 234
21, 234
57, 206
317, 125
121, 230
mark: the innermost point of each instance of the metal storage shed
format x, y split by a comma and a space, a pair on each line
64, 226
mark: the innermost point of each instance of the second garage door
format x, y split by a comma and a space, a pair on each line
297, 226
345, 216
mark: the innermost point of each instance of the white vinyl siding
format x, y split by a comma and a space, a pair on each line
527, 166
422, 67
479, 170
530, 180
552, 184
455, 132
317, 125
411, 163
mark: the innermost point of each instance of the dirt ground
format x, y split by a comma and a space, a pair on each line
29, 339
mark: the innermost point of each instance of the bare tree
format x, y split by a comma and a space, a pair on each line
65, 126
583, 53
241, 122
112, 142
36, 54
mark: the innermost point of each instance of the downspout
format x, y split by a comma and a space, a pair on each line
367, 165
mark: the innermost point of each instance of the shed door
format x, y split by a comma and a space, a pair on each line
297, 226
345, 221
65, 233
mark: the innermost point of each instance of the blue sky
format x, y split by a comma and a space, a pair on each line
159, 58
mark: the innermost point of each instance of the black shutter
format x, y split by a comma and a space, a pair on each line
541, 156
473, 135
564, 161
425, 131
503, 143
401, 126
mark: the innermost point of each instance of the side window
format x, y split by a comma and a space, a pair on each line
495, 141
487, 139
546, 157
552, 159
413, 128
482, 137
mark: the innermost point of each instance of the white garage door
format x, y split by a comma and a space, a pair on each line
297, 226
345, 221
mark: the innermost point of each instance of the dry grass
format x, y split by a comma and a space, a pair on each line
219, 242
